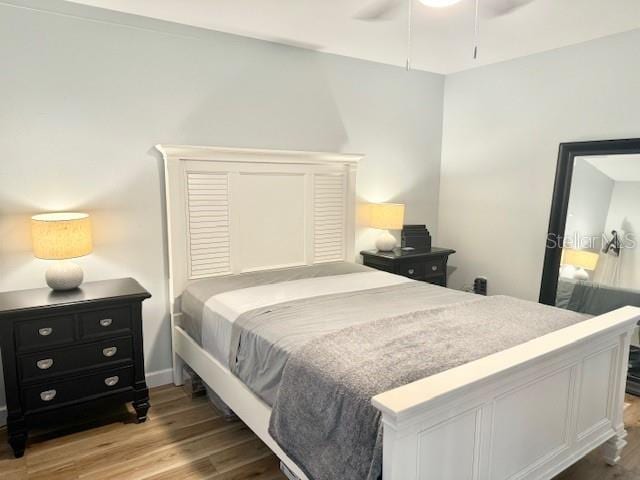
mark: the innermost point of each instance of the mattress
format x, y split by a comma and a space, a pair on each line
220, 300
230, 317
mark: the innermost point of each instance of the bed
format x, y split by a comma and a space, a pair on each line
261, 239
593, 298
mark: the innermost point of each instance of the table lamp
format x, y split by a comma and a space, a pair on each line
386, 216
60, 236
581, 261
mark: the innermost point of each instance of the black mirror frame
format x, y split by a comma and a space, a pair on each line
560, 202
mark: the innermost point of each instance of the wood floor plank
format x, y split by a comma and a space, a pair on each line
20, 474
166, 393
121, 451
179, 405
220, 461
139, 466
199, 469
264, 469
248, 452
64, 471
149, 435
79, 430
187, 439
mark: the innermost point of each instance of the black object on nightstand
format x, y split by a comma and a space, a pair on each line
65, 350
415, 236
426, 265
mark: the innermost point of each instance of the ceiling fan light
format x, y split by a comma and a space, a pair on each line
439, 3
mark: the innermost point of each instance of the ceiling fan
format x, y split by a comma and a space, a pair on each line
389, 9
379, 10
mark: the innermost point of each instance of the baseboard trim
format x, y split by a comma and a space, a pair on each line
160, 377
154, 379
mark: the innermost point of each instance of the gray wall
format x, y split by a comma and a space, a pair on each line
502, 127
588, 206
86, 93
624, 216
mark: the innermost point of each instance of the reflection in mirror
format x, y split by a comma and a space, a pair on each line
600, 261
600, 265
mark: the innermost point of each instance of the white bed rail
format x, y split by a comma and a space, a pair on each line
524, 413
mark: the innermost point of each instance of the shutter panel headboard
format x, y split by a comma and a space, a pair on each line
208, 212
231, 211
329, 215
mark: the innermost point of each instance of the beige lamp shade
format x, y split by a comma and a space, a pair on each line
580, 259
386, 216
58, 236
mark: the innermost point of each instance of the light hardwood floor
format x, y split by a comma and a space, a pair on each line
186, 439
183, 438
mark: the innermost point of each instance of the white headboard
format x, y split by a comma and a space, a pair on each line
232, 210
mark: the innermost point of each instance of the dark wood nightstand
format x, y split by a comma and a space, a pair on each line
426, 265
62, 350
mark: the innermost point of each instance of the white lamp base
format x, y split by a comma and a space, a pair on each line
64, 276
581, 274
386, 242
567, 271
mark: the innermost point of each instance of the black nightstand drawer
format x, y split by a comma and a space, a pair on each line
45, 332
51, 363
105, 322
434, 267
429, 265
414, 270
51, 394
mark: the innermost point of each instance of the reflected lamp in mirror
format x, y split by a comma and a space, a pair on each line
386, 216
61, 236
575, 263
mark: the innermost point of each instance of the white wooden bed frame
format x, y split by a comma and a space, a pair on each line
524, 413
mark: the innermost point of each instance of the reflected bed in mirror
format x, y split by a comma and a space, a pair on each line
592, 260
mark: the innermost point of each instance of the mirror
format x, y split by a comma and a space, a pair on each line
592, 261
600, 265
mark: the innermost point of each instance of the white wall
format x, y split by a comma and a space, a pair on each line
588, 206
502, 127
86, 94
624, 215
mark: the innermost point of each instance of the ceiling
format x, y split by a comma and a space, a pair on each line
620, 168
443, 37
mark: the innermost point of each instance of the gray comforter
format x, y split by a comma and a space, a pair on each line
263, 339
322, 416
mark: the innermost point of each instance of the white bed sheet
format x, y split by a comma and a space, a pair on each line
222, 310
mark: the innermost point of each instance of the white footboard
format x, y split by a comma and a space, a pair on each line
524, 413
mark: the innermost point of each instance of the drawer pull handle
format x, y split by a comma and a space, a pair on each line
434, 268
411, 271
111, 381
106, 322
45, 332
45, 364
109, 351
48, 395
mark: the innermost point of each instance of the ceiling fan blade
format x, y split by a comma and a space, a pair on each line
499, 8
379, 10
